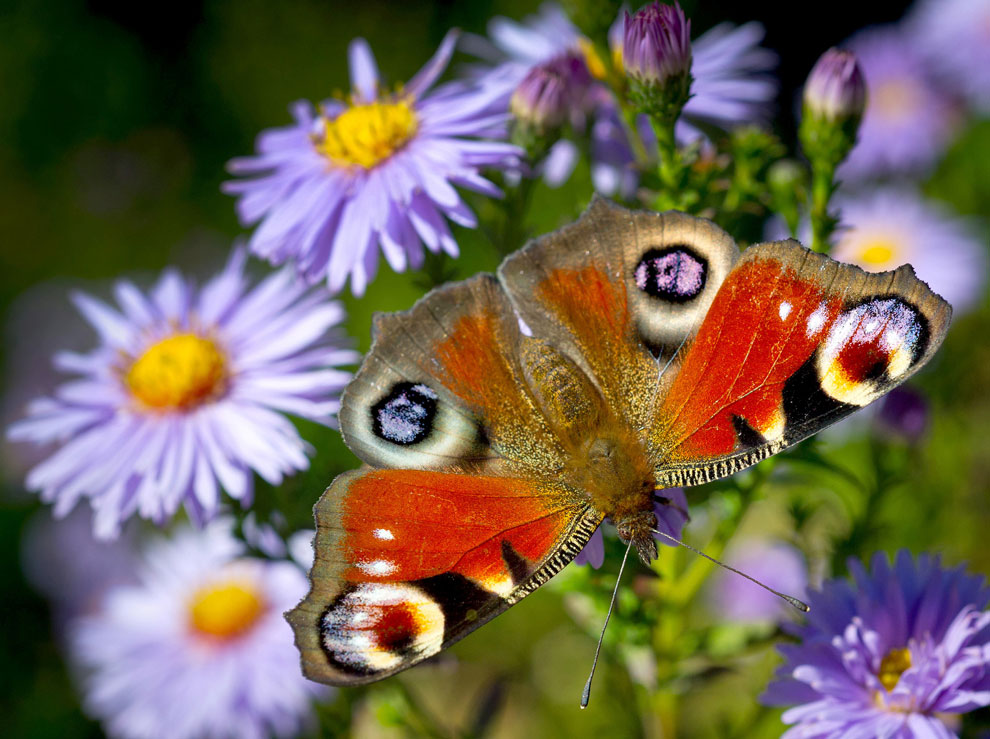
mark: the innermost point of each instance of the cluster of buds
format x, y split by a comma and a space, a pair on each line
551, 95
656, 54
834, 101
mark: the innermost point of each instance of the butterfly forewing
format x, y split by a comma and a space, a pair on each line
618, 288
793, 342
442, 386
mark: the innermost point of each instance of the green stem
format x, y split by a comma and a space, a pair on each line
822, 222
640, 154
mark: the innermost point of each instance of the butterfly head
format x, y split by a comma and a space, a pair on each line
638, 528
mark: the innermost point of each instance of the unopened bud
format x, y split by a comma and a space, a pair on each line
656, 53
836, 89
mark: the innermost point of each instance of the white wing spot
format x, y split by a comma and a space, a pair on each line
785, 310
377, 567
383, 534
816, 320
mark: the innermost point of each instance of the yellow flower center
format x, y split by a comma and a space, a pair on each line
593, 59
892, 667
365, 135
877, 252
178, 372
226, 610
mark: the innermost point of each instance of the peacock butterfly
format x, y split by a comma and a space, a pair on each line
503, 418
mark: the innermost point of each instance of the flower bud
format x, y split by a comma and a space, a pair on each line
834, 100
836, 89
656, 53
550, 94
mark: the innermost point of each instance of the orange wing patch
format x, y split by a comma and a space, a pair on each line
405, 525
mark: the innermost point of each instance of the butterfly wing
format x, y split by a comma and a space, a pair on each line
443, 385
409, 561
617, 289
793, 342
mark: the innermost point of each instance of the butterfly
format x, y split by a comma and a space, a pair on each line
503, 418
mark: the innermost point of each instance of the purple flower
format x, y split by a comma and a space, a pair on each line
888, 227
656, 44
835, 89
887, 654
671, 518
198, 646
954, 38
903, 414
778, 565
551, 93
185, 395
907, 121
731, 86
376, 171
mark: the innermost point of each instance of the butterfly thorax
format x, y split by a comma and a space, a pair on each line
612, 467
607, 460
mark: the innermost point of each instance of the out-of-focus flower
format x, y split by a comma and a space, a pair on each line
671, 517
835, 90
888, 227
198, 647
888, 654
903, 414
776, 564
185, 395
62, 561
551, 93
908, 120
732, 84
656, 54
377, 171
954, 37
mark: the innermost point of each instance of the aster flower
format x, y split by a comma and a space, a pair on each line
953, 36
908, 120
671, 518
198, 646
888, 227
774, 563
731, 84
185, 395
376, 171
888, 654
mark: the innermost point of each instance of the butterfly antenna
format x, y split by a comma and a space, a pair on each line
586, 693
791, 600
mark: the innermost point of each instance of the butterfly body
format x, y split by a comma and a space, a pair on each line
503, 418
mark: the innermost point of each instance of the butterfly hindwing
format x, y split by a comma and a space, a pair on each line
793, 342
409, 561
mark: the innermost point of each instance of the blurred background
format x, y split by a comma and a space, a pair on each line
116, 121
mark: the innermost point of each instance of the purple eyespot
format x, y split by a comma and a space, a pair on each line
675, 274
405, 415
